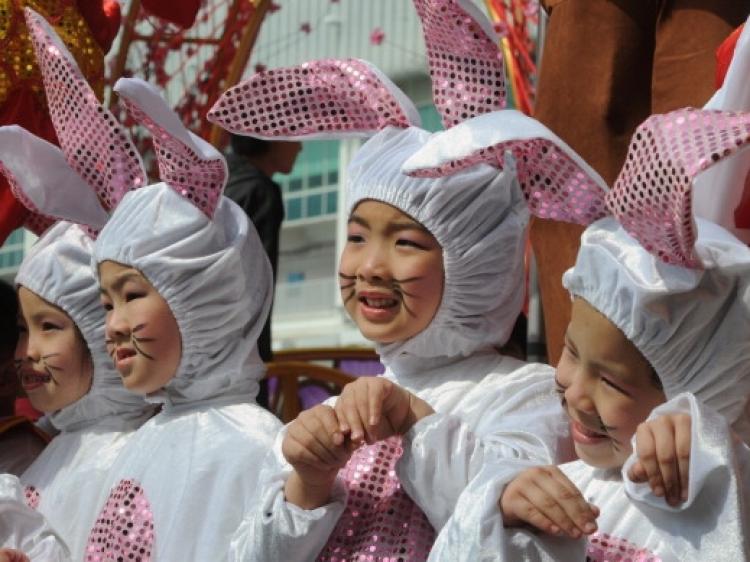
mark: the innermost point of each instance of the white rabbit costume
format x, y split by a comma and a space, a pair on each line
175, 491
65, 482
679, 289
487, 405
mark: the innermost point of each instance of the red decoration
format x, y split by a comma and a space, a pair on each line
305, 28
181, 13
377, 36
724, 55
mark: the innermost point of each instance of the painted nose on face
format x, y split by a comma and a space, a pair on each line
578, 393
373, 267
25, 349
117, 325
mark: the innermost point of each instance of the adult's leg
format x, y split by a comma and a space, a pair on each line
688, 32
594, 89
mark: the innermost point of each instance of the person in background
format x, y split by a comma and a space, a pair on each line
20, 441
252, 164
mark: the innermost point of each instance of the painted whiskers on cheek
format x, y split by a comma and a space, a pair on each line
136, 341
348, 282
603, 428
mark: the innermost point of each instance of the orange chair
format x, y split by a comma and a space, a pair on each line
296, 375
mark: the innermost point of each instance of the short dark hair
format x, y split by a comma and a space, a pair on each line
8, 317
249, 146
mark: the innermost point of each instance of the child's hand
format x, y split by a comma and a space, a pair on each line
374, 408
317, 449
663, 449
545, 498
8, 555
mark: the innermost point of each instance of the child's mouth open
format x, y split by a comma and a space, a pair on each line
31, 380
377, 307
584, 435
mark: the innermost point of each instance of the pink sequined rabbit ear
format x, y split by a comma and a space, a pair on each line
41, 179
557, 183
653, 195
187, 163
466, 65
323, 99
94, 143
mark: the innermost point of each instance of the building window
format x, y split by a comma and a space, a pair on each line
310, 190
11, 253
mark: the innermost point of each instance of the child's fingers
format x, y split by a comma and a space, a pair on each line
534, 517
378, 391
569, 497
298, 452
645, 446
329, 420
348, 413
683, 444
545, 503
637, 473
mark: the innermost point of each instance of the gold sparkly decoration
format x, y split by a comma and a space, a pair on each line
18, 68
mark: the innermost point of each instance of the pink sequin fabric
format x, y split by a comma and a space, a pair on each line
606, 548
124, 530
31, 497
466, 65
314, 99
94, 143
652, 197
199, 180
380, 522
554, 184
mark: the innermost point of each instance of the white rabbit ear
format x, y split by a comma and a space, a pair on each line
653, 195
40, 177
324, 99
557, 183
466, 65
94, 143
187, 163
720, 190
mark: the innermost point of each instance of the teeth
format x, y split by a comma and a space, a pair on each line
380, 303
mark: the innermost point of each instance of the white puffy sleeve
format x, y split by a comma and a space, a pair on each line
24, 529
719, 481
475, 532
510, 416
278, 530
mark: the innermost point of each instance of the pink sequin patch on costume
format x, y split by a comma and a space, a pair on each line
31, 497
198, 180
380, 522
466, 65
606, 548
94, 143
652, 197
124, 530
329, 96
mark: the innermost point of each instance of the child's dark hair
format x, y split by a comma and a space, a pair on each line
8, 318
249, 146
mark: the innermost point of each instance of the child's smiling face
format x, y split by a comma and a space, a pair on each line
53, 362
608, 387
142, 334
391, 273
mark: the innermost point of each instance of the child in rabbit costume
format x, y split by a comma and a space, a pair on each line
467, 402
76, 385
658, 336
173, 260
